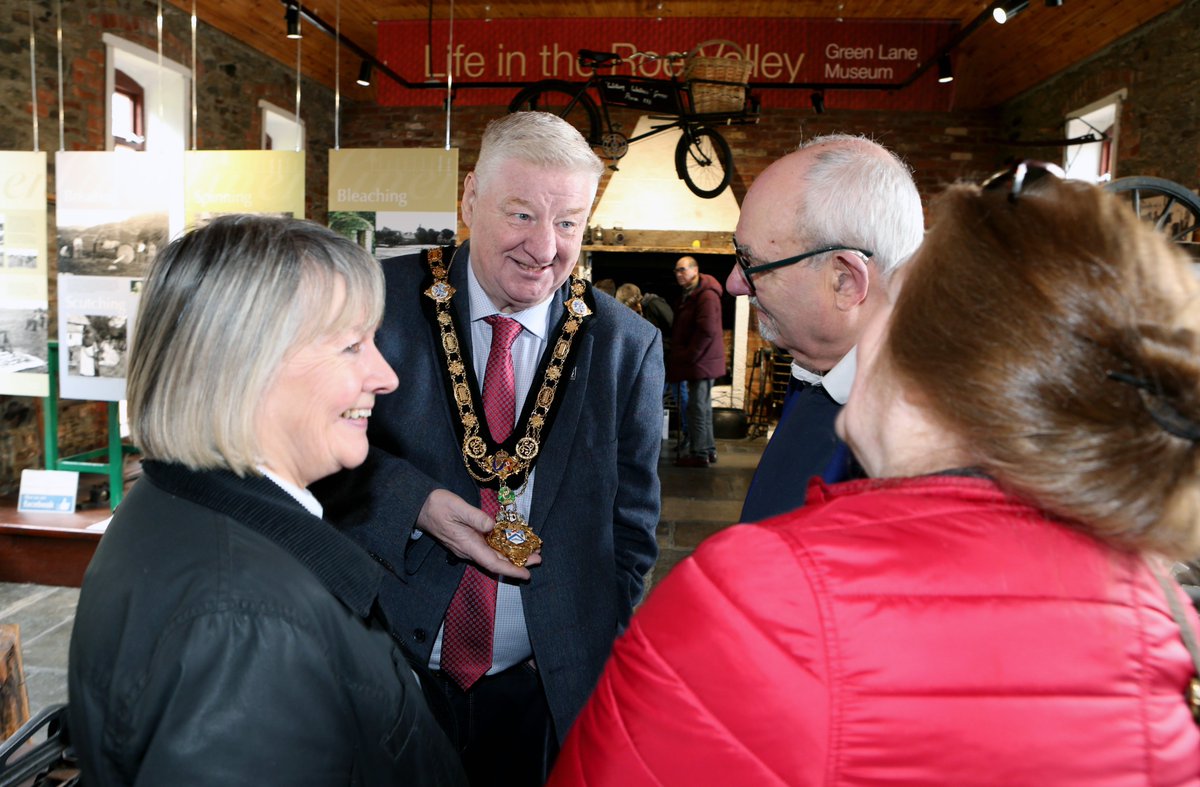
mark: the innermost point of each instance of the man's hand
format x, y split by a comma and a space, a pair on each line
462, 528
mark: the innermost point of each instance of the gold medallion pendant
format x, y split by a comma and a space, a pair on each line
512, 536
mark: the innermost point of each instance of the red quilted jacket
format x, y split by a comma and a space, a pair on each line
926, 631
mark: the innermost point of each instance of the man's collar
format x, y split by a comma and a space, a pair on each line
534, 319
836, 381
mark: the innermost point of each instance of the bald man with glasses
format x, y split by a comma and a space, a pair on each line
820, 232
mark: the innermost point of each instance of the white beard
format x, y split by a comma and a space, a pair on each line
766, 325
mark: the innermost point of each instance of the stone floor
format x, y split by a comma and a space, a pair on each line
45, 615
696, 504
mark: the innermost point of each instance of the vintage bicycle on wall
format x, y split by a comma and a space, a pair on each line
712, 93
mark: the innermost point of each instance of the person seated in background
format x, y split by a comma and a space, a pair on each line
989, 607
225, 633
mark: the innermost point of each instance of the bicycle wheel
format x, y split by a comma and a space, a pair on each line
1172, 207
565, 100
704, 161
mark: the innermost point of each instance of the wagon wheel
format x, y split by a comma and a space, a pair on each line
1172, 208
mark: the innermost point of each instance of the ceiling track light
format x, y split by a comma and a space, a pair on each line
945, 70
1053, 3
292, 15
364, 74
818, 101
1007, 10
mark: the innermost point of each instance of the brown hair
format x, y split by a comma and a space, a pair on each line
631, 296
1013, 319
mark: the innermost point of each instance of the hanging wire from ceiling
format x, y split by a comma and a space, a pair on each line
195, 73
159, 26
449, 75
58, 35
299, 140
33, 75
337, 77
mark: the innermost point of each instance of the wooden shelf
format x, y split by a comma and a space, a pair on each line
662, 249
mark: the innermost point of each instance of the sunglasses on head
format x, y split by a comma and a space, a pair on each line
1021, 175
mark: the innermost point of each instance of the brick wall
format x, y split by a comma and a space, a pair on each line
1158, 65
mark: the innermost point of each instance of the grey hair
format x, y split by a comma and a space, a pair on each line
859, 193
537, 138
221, 309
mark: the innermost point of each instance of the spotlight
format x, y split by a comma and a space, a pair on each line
292, 15
1007, 10
818, 101
1053, 3
364, 74
945, 72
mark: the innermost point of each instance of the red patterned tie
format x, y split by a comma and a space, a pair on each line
471, 617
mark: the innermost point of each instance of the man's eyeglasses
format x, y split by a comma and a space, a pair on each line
749, 268
1021, 175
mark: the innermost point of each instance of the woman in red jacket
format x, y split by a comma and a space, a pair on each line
985, 608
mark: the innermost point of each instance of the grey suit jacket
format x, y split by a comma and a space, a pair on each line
595, 500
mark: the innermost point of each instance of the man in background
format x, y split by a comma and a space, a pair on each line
820, 233
697, 358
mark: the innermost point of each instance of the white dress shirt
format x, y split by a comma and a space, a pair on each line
837, 381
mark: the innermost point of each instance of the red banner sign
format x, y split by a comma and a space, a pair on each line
853, 58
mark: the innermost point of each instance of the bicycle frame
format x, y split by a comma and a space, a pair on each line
703, 159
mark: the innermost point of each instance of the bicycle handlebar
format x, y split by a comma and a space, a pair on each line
589, 58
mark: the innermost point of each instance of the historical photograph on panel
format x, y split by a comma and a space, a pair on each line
24, 336
97, 345
357, 225
101, 243
21, 259
391, 233
404, 232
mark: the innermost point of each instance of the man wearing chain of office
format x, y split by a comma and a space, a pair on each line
512, 487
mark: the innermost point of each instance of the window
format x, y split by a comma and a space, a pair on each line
1094, 161
128, 108
281, 130
148, 106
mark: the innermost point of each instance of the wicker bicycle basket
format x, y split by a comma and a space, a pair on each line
717, 84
